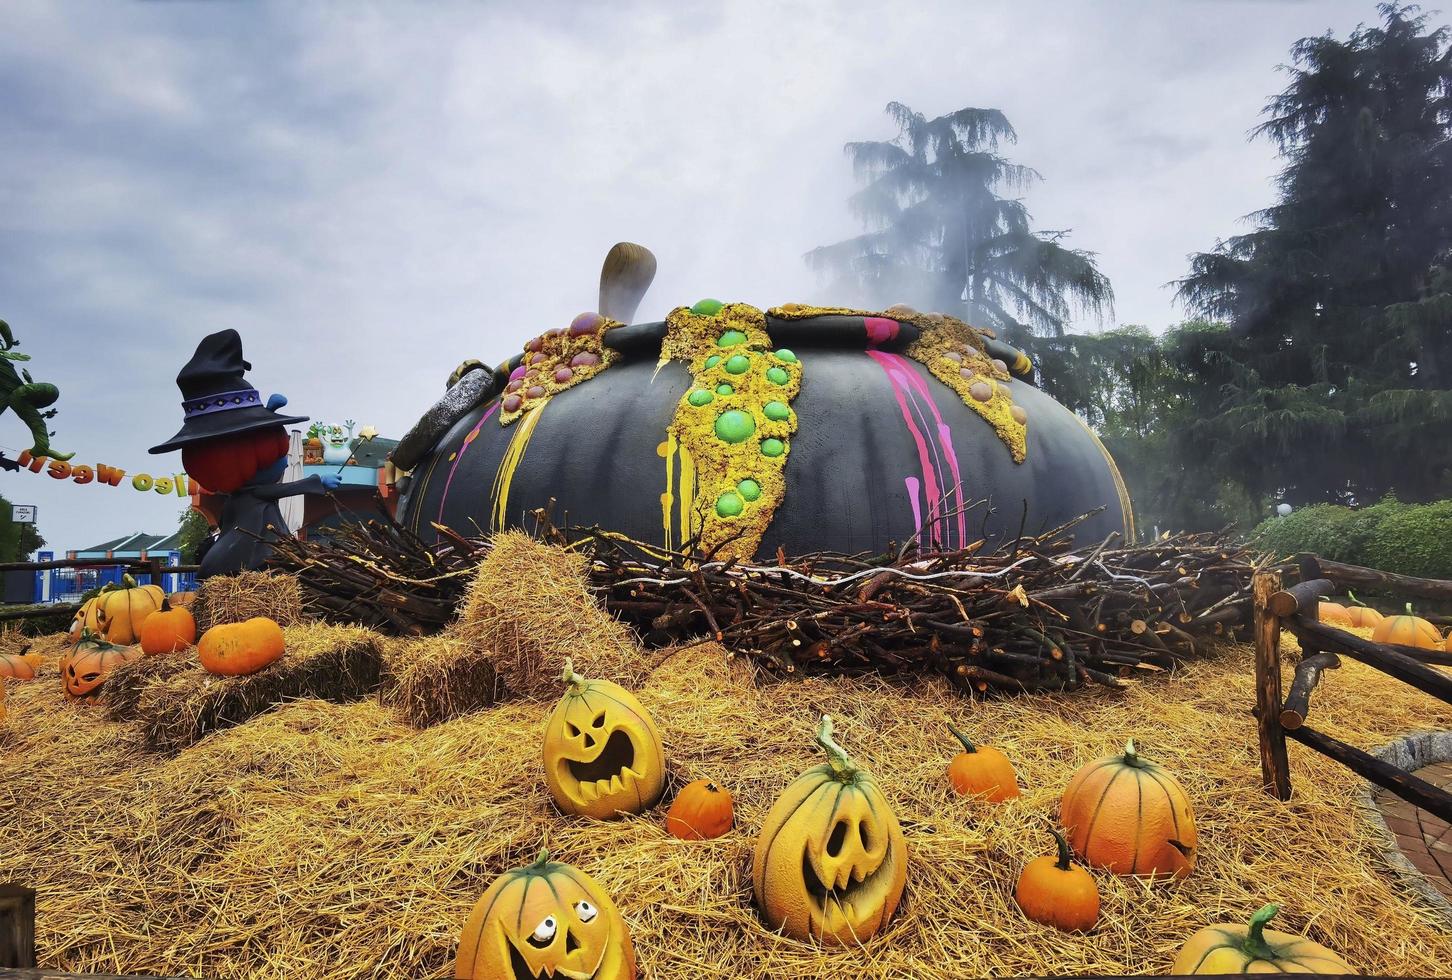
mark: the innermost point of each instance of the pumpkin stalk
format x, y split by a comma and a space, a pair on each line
128, 581
1255, 945
1131, 757
1066, 856
1354, 601
843, 767
967, 745
576, 681
543, 859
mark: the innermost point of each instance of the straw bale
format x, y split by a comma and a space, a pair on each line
434, 679
122, 690
235, 598
329, 841
176, 709
531, 605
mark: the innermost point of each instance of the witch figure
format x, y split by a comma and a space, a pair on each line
234, 444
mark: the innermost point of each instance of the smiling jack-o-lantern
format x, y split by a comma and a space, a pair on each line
545, 920
831, 862
602, 753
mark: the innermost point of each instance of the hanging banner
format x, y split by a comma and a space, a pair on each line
103, 475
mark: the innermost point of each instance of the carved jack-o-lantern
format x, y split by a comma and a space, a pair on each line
90, 661
545, 920
831, 862
602, 753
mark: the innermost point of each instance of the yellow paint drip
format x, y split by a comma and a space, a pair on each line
504, 476
711, 467
948, 348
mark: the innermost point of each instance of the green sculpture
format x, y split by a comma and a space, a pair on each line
26, 396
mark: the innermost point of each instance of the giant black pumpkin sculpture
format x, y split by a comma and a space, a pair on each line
743, 431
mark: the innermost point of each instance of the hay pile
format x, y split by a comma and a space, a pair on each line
175, 702
329, 841
235, 598
435, 679
531, 605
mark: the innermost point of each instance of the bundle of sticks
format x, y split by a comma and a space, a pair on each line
1038, 612
1031, 614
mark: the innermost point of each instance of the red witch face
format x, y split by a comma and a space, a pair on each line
226, 464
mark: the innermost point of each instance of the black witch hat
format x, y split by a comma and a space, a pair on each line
218, 399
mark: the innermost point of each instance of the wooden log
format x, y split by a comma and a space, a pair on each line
27, 612
1371, 578
1415, 791
1274, 768
1301, 597
1383, 658
1308, 675
17, 926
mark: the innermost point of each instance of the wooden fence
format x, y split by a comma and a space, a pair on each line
1296, 609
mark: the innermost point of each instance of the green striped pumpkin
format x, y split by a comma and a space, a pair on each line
1221, 949
1126, 814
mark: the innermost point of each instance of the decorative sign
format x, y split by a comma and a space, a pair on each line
101, 474
22, 513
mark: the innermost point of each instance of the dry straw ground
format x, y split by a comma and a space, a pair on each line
333, 841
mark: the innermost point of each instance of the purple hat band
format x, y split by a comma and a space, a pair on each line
225, 401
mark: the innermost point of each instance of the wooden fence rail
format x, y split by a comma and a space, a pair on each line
1296, 610
143, 566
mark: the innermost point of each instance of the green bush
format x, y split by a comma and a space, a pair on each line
1412, 539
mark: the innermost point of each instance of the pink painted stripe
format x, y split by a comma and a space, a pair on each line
459, 457
945, 441
892, 366
912, 488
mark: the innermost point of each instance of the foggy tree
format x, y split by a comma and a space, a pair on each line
941, 238
1340, 297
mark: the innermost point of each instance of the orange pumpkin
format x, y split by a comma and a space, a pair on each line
86, 616
1408, 631
124, 610
1333, 614
701, 811
1126, 814
241, 648
1362, 616
89, 663
981, 770
1057, 892
168, 630
20, 666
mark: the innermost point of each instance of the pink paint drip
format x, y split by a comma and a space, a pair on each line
906, 384
912, 488
459, 456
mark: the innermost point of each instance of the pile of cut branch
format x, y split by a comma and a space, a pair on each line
1035, 613
1031, 615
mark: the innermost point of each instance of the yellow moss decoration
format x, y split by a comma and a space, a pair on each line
543, 357
954, 353
732, 430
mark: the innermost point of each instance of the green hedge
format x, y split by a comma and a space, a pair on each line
1413, 539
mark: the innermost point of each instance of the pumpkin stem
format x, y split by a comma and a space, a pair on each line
967, 745
1352, 596
576, 681
1255, 944
165, 605
127, 581
842, 765
1066, 856
1131, 757
1409, 609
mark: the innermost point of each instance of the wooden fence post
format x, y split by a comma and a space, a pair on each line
17, 926
1274, 769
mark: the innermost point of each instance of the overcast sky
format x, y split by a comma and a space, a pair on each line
371, 193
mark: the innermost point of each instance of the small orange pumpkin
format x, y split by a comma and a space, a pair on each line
1333, 613
1126, 814
168, 630
981, 770
89, 663
1362, 616
1408, 631
122, 611
20, 666
241, 648
1057, 892
701, 811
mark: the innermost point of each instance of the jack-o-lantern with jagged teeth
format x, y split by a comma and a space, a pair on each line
831, 863
545, 921
602, 753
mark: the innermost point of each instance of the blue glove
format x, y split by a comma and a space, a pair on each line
330, 481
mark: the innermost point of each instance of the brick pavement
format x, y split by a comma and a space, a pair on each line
1424, 839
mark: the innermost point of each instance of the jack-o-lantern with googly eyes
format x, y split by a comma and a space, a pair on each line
602, 753
545, 920
831, 863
